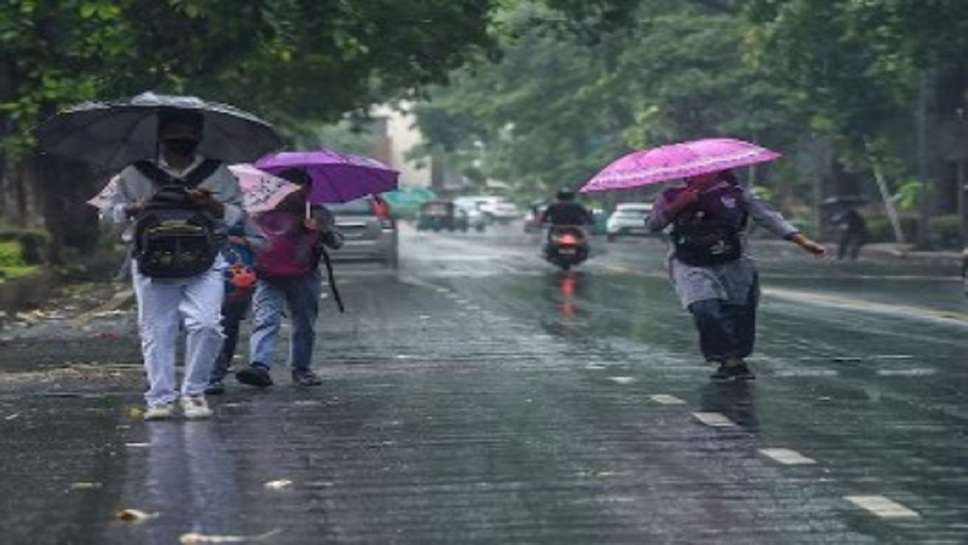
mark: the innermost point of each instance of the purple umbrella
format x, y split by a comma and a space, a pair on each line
336, 176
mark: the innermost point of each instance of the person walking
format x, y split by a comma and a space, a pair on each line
853, 233
240, 281
177, 271
715, 279
289, 281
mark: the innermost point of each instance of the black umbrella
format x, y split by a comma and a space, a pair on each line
845, 200
112, 135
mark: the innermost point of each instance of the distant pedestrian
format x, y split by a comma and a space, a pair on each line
244, 240
714, 277
290, 282
175, 206
853, 233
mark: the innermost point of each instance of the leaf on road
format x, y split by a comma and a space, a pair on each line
194, 538
279, 484
134, 515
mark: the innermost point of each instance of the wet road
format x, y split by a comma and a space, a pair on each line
478, 396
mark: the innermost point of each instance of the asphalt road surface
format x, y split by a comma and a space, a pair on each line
479, 396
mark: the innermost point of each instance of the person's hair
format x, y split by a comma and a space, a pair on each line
728, 176
295, 175
176, 116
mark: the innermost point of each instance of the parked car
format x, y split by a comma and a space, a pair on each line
628, 219
494, 209
369, 231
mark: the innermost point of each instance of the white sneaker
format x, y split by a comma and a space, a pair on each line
195, 407
162, 411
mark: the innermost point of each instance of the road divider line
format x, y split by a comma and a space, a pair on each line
883, 507
622, 380
915, 372
714, 420
851, 303
666, 399
787, 457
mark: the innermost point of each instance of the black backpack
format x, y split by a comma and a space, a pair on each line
709, 233
173, 237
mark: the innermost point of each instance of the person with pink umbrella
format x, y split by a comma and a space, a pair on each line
715, 279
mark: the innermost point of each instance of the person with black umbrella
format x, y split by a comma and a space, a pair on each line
179, 182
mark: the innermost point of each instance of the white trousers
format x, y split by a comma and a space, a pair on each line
163, 304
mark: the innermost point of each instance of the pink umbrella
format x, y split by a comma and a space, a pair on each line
261, 191
677, 161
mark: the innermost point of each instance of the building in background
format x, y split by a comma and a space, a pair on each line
395, 137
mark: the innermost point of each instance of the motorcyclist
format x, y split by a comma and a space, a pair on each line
565, 214
566, 211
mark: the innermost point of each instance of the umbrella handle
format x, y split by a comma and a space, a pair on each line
309, 213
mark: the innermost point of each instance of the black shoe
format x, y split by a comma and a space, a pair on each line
306, 378
722, 374
741, 372
215, 388
255, 375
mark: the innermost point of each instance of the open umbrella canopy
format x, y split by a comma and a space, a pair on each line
677, 161
261, 191
111, 135
336, 177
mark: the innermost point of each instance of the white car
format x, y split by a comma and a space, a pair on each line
493, 208
628, 219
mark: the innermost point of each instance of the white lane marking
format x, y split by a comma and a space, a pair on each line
916, 372
594, 366
849, 303
787, 456
137, 445
806, 373
715, 420
882, 507
666, 399
622, 380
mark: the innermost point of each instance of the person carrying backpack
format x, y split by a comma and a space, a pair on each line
289, 280
244, 239
712, 274
176, 208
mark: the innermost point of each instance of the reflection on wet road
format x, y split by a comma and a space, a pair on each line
480, 396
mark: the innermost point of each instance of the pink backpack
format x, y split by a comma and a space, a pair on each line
291, 251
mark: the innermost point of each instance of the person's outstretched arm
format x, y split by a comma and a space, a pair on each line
773, 221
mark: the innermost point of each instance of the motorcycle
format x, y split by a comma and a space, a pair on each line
567, 246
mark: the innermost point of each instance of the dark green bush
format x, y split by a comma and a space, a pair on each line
34, 243
879, 229
946, 232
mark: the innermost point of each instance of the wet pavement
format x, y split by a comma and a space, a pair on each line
479, 396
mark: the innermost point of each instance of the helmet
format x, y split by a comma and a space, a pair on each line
566, 194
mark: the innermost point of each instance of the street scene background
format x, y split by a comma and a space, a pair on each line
473, 392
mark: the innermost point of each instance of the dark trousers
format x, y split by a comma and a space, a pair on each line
851, 242
232, 316
725, 330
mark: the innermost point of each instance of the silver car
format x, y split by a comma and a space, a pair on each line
367, 235
628, 219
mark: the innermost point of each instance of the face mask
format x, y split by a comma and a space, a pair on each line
181, 146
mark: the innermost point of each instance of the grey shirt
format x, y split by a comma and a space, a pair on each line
730, 282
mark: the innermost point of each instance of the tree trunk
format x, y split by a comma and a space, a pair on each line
924, 223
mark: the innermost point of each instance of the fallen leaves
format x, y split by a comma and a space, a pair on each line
278, 484
134, 515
